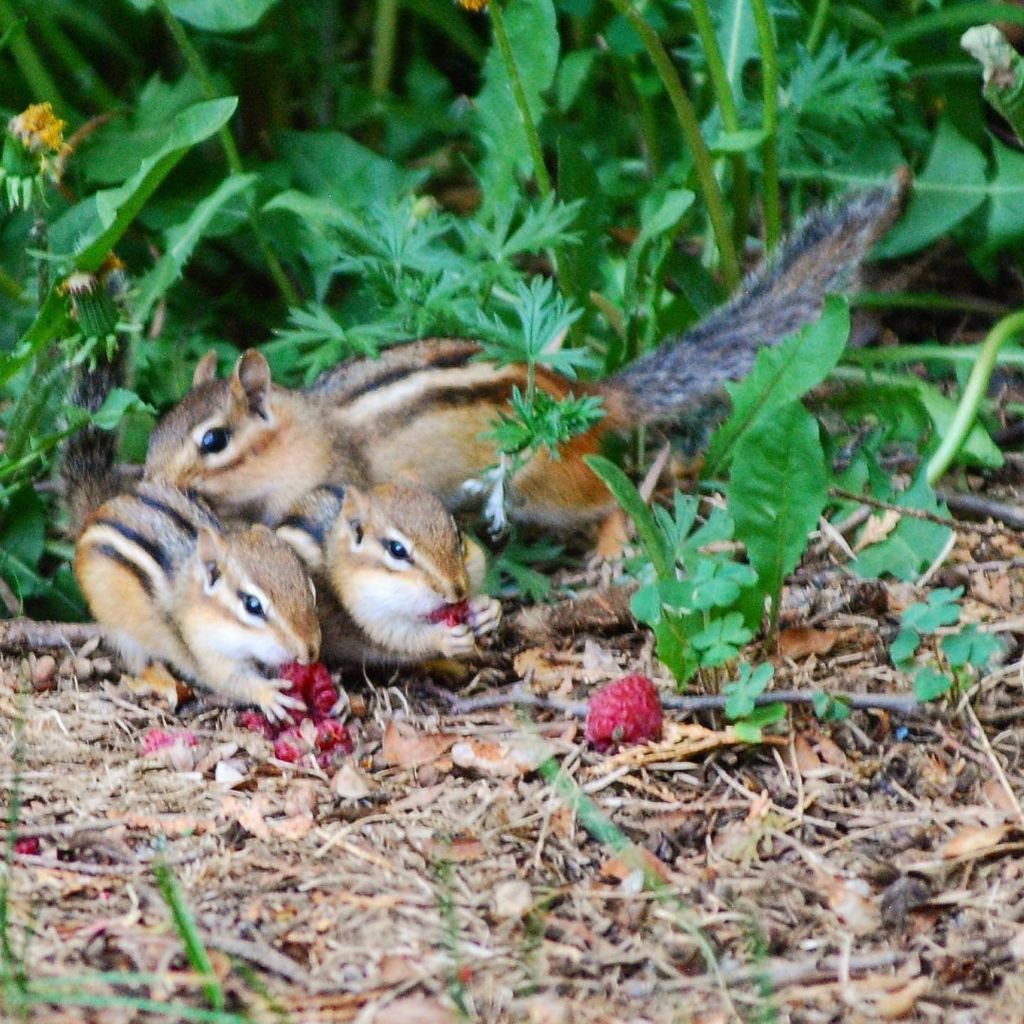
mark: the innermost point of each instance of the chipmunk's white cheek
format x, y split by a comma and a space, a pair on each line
395, 596
244, 644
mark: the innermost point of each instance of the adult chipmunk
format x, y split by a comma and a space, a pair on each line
398, 565
170, 584
419, 411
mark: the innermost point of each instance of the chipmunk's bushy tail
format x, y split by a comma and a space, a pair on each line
88, 468
821, 257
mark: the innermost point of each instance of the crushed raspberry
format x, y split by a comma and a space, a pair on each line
450, 614
313, 685
161, 739
626, 711
27, 845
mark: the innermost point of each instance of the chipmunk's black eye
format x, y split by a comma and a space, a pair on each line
215, 440
252, 605
397, 550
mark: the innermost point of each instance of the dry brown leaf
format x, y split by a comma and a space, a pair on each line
513, 757
878, 527
853, 902
404, 747
350, 783
545, 670
831, 754
973, 841
296, 826
807, 760
457, 850
995, 793
168, 824
992, 588
414, 1010
901, 1003
394, 969
248, 814
800, 641
638, 858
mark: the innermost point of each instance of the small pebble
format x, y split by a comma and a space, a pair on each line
43, 669
83, 668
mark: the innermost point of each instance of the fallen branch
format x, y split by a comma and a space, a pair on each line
29, 635
975, 506
901, 704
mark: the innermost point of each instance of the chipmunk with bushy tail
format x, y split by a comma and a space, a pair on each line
421, 411
405, 578
171, 585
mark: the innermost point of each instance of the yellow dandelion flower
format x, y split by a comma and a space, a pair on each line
38, 129
472, 5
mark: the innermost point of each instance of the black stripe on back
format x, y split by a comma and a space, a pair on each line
151, 548
109, 551
440, 398
306, 525
451, 361
173, 514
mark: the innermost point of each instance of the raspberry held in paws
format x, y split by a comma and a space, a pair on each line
626, 711
451, 614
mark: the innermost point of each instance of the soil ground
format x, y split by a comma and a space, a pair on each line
863, 870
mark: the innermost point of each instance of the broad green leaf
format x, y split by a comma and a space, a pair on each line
930, 684
182, 240
941, 609
978, 449
913, 545
970, 646
904, 646
49, 323
778, 489
335, 167
1006, 206
744, 691
89, 231
533, 37
780, 376
22, 536
829, 708
951, 186
634, 506
116, 406
645, 605
215, 15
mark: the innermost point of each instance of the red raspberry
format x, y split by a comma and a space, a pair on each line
450, 614
626, 711
258, 722
160, 739
288, 746
28, 845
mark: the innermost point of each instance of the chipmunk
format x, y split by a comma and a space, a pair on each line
170, 584
396, 562
421, 410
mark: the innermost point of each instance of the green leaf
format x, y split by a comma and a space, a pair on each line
913, 545
829, 708
116, 406
744, 691
215, 15
951, 186
721, 640
971, 647
940, 609
645, 605
532, 31
89, 231
1006, 207
182, 240
636, 508
778, 489
904, 647
745, 140
780, 376
22, 536
930, 684
674, 651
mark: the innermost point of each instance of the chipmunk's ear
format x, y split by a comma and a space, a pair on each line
210, 550
250, 382
206, 369
354, 510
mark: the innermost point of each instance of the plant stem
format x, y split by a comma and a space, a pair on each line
519, 95
818, 25
1009, 327
384, 31
730, 118
928, 353
37, 77
690, 126
769, 148
11, 288
231, 154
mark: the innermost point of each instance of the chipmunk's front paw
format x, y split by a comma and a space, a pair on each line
458, 641
484, 614
271, 698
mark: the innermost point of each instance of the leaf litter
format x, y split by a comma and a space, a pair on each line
866, 869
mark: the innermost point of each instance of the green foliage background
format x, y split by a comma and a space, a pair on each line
323, 179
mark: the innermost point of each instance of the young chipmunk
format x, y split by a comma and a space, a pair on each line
170, 584
421, 411
397, 563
